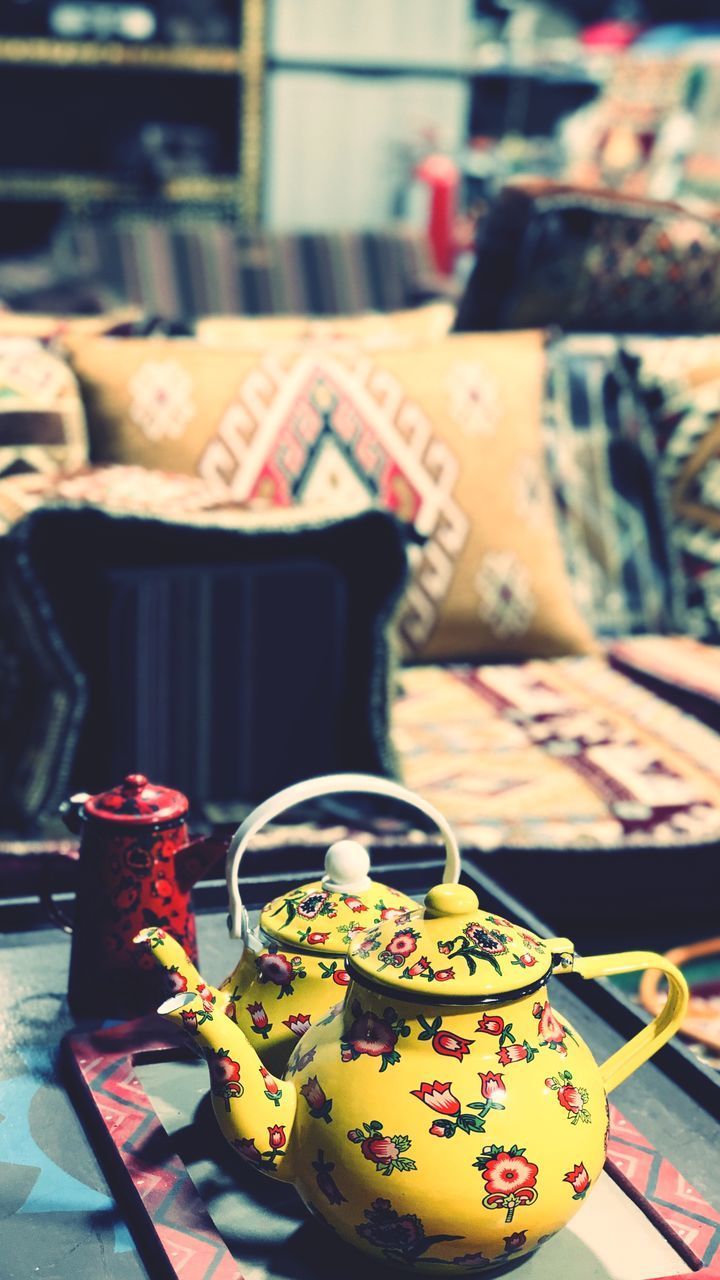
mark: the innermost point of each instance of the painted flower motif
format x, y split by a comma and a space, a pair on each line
491, 1024
515, 1242
570, 1096
438, 1097
298, 1023
374, 1036
176, 981
354, 904
247, 1149
526, 960
276, 1136
504, 1171
393, 913
319, 1105
272, 1086
163, 888
380, 1150
509, 1178
444, 975
316, 939
446, 1043
384, 1152
299, 1060
579, 1181
492, 1087
309, 906
326, 1183
190, 1019
485, 939
206, 996
515, 1053
224, 1076
273, 967
551, 1030
403, 943
400, 1237
417, 969
341, 977
450, 1045
259, 1020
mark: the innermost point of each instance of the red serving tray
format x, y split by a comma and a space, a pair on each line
177, 1237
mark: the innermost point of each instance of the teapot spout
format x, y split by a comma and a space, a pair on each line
197, 859
255, 1110
166, 951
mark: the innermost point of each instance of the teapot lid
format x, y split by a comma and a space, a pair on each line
326, 915
451, 950
137, 801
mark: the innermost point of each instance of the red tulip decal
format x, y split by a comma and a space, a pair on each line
516, 1053
438, 1097
259, 1019
579, 1181
276, 1136
273, 1092
298, 1023
326, 1183
493, 1087
491, 1024
247, 1149
319, 1105
446, 1043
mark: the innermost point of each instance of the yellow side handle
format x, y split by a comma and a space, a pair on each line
652, 1037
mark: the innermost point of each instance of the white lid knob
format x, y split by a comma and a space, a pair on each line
346, 867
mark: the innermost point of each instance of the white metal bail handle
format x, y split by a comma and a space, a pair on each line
311, 789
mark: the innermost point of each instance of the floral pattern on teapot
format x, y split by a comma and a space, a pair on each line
485, 1112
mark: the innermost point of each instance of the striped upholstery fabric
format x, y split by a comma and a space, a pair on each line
188, 269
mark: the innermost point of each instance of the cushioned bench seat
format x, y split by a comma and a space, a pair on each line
589, 793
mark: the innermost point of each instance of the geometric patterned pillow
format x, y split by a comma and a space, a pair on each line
416, 324
679, 380
42, 420
602, 459
445, 434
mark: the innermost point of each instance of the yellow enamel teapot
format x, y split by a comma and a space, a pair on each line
443, 1115
291, 969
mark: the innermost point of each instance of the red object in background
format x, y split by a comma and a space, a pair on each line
442, 177
610, 35
136, 869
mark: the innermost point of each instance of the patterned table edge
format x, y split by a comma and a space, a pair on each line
177, 1237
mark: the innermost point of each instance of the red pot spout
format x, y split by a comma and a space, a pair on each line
197, 859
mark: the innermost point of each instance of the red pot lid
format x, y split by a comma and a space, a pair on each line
137, 801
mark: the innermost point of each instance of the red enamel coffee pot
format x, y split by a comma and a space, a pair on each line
137, 867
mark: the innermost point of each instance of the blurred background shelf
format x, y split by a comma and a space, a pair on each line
76, 54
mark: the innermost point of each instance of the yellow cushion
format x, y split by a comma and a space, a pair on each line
445, 433
419, 324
